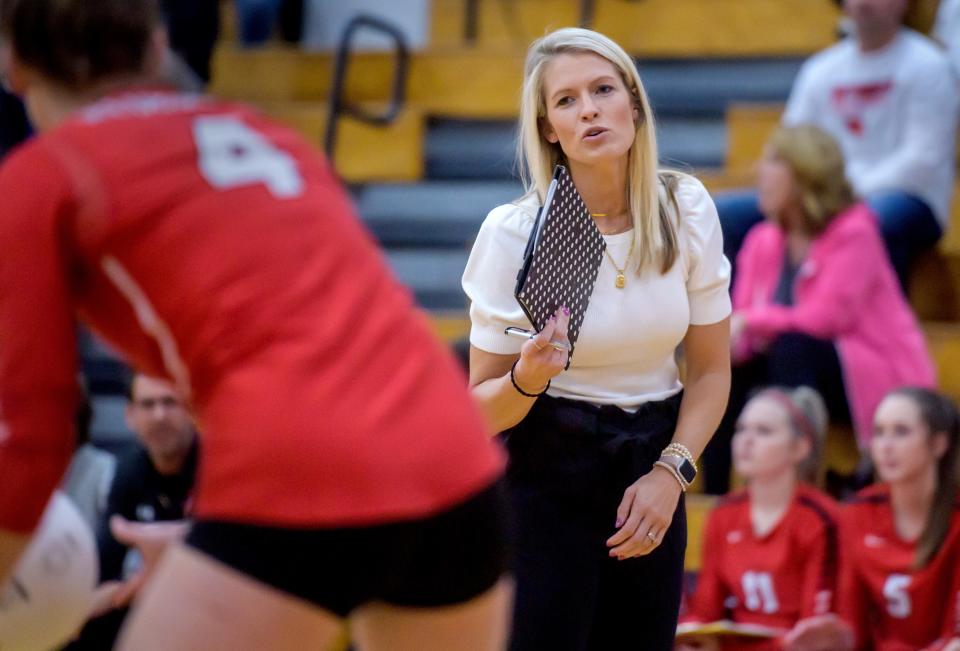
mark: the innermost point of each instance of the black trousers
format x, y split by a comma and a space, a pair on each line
570, 463
793, 359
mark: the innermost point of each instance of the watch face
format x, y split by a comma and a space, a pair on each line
687, 471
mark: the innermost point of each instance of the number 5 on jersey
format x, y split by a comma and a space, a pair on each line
234, 155
898, 599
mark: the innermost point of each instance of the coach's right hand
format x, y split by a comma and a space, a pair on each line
539, 361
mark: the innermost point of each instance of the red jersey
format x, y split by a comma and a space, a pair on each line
215, 248
772, 580
891, 605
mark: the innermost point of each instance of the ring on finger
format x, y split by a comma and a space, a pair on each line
537, 344
652, 536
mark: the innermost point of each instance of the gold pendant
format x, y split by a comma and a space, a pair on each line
621, 281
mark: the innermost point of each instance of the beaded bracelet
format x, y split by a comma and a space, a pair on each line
517, 386
679, 450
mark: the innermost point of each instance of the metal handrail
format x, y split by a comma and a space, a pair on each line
339, 106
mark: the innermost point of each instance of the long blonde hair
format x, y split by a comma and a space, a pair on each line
654, 216
816, 161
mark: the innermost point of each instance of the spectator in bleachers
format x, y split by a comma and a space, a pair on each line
91, 470
153, 483
815, 299
258, 18
193, 27
292, 13
770, 551
899, 584
889, 97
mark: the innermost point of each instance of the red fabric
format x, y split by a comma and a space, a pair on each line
38, 390
891, 606
322, 397
846, 291
772, 580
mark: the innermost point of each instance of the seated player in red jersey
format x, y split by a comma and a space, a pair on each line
346, 474
770, 551
900, 578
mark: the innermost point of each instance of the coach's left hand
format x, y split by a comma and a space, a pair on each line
645, 514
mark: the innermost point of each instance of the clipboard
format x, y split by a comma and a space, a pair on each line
562, 258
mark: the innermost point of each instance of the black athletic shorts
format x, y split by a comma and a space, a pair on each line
437, 561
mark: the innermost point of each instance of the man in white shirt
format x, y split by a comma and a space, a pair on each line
890, 98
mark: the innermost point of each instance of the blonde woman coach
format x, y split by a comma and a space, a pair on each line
601, 453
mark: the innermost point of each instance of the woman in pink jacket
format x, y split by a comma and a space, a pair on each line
815, 299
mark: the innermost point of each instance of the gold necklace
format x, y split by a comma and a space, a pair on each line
621, 280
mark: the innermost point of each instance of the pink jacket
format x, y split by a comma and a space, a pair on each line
846, 291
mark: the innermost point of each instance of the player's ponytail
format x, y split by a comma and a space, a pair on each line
941, 416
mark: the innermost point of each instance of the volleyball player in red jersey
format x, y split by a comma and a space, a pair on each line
900, 580
345, 472
770, 551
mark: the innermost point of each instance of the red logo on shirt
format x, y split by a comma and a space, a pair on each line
851, 102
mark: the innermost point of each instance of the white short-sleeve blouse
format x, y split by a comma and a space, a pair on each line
625, 355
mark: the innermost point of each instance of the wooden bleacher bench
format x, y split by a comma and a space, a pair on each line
451, 326
698, 508
653, 28
647, 28
364, 153
458, 82
448, 79
748, 128
944, 341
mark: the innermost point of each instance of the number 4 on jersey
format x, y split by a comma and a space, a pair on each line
234, 155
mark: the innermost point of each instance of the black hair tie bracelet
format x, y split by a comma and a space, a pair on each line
517, 386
